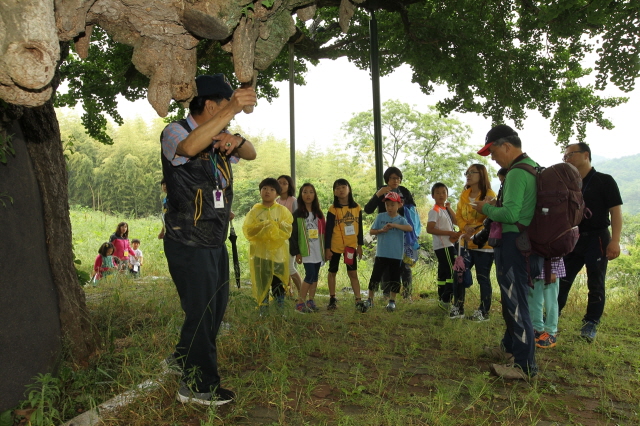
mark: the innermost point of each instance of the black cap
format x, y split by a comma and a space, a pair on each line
214, 85
498, 132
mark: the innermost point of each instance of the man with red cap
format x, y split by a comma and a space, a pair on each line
516, 205
389, 227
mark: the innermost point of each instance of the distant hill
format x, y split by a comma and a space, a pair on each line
626, 171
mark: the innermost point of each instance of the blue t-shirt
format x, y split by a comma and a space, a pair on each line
390, 243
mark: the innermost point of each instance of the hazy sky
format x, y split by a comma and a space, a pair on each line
337, 89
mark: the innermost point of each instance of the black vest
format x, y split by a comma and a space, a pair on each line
191, 216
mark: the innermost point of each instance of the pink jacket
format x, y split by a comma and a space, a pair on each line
121, 246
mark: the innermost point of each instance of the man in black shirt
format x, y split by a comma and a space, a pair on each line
596, 246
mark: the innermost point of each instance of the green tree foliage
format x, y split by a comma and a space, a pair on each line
630, 242
426, 146
124, 177
108, 72
321, 168
499, 58
625, 171
119, 178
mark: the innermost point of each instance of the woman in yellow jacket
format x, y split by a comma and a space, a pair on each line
478, 187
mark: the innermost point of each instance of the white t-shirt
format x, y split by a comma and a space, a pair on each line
443, 222
315, 255
132, 259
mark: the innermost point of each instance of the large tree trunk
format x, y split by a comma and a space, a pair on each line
42, 307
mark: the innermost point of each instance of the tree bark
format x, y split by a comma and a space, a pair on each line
42, 135
42, 307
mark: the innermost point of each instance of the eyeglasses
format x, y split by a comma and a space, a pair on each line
395, 178
470, 173
569, 155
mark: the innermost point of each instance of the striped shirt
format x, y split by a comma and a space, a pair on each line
175, 133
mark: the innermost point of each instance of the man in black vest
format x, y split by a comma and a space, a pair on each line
596, 246
197, 154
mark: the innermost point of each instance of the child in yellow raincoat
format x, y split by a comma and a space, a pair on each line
268, 228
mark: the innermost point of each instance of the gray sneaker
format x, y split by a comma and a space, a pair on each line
170, 365
220, 396
456, 313
478, 316
391, 306
588, 331
361, 306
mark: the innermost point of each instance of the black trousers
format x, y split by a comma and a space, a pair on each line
590, 250
201, 276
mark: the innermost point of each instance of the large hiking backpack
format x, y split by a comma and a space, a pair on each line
553, 231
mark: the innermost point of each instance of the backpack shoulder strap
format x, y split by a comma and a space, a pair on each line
527, 167
185, 124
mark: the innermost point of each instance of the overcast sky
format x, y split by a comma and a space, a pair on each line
337, 89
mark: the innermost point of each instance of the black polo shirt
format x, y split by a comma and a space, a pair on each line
600, 192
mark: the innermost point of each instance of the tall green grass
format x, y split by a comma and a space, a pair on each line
410, 367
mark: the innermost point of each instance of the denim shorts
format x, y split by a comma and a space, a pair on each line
311, 272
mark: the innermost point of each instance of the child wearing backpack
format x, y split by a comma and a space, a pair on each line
390, 227
543, 305
106, 263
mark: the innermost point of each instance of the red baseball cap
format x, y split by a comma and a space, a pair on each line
393, 196
498, 132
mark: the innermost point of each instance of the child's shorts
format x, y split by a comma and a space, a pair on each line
334, 263
311, 271
393, 268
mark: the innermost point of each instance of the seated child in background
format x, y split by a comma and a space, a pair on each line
543, 305
440, 224
390, 228
135, 258
106, 263
267, 226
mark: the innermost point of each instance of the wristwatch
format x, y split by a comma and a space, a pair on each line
243, 140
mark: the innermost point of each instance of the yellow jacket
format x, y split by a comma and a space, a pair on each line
268, 230
467, 216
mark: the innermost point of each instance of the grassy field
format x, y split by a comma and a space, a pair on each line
410, 367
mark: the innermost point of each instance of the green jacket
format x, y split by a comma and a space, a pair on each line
518, 199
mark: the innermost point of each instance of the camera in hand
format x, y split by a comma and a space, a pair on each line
481, 238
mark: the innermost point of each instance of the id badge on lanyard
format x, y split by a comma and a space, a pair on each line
218, 198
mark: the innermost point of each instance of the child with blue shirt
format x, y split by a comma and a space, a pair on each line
389, 228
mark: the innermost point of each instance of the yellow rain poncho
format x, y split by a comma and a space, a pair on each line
268, 230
